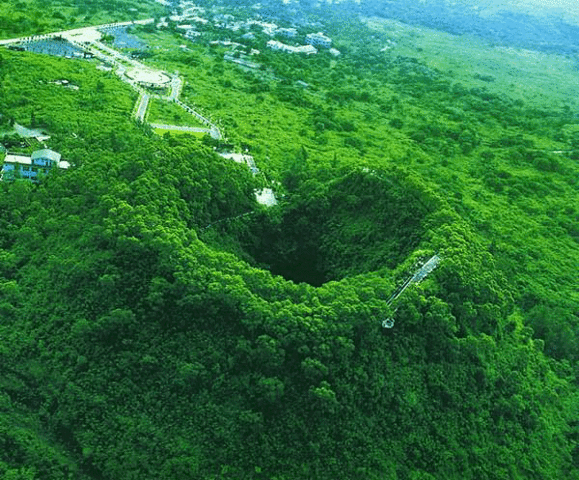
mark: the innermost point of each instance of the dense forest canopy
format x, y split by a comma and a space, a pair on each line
156, 321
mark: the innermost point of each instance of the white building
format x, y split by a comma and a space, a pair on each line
275, 45
307, 49
190, 9
287, 32
241, 158
282, 47
267, 28
198, 20
226, 43
192, 34
223, 18
318, 40
266, 197
40, 162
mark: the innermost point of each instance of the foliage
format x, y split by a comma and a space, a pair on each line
155, 322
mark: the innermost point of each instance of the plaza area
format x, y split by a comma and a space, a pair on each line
146, 76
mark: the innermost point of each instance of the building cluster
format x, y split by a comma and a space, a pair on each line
318, 40
192, 16
313, 40
30, 167
282, 47
264, 196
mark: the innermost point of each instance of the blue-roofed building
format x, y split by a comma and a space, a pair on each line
46, 158
16, 166
22, 166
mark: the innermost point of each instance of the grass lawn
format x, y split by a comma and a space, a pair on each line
162, 131
535, 77
171, 114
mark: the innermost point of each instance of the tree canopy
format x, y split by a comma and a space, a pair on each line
157, 322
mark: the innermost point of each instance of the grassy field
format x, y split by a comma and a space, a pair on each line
534, 77
170, 114
162, 131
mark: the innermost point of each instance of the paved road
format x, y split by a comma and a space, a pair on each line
75, 32
188, 109
88, 38
142, 108
176, 86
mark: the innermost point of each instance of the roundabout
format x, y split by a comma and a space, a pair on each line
147, 77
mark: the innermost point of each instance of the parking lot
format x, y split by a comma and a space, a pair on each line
123, 39
59, 48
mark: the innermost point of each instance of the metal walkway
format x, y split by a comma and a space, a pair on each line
414, 279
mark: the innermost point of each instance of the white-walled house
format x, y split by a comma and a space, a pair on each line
282, 47
242, 158
287, 32
318, 40
40, 162
266, 197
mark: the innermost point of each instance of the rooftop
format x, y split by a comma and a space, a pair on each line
21, 159
29, 160
266, 197
307, 49
47, 153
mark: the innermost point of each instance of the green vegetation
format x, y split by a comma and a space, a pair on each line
31, 17
170, 114
156, 322
163, 131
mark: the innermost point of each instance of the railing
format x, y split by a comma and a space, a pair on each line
415, 278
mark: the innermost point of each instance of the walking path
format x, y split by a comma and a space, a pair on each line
140, 78
131, 71
142, 104
181, 129
414, 279
176, 86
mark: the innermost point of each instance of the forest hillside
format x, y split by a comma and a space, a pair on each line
158, 322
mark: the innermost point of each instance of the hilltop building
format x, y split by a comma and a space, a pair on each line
318, 40
266, 197
223, 17
192, 35
47, 158
307, 49
287, 32
41, 161
241, 158
267, 28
